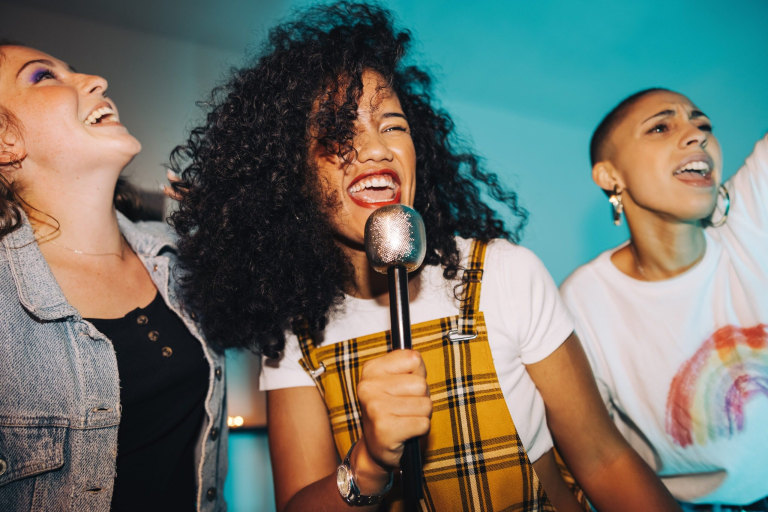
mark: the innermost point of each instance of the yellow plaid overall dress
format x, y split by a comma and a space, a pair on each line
473, 458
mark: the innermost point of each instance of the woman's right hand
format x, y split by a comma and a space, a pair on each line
396, 406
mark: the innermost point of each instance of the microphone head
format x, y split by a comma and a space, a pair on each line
394, 236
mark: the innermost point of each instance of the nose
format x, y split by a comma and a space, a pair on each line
694, 136
370, 146
94, 84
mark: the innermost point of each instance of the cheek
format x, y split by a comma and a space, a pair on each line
48, 123
716, 153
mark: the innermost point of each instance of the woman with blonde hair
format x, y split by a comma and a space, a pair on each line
110, 399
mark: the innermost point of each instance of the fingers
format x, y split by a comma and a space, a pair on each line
394, 385
395, 363
395, 403
168, 189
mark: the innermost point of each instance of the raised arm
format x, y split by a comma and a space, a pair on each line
748, 189
611, 473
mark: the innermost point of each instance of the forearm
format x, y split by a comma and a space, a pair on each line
322, 496
627, 484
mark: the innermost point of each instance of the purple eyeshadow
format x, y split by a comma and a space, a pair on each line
39, 74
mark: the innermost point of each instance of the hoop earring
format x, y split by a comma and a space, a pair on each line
618, 206
722, 192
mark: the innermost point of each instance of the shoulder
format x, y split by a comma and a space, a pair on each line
583, 277
509, 257
147, 237
157, 229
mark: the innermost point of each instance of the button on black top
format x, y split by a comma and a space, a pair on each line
163, 400
211, 494
214, 433
218, 372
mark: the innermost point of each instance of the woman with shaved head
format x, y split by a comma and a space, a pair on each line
675, 320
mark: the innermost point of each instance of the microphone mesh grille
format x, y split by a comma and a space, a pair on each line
391, 237
394, 236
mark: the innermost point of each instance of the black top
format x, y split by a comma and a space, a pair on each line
163, 384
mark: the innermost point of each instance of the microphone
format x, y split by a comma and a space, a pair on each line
395, 244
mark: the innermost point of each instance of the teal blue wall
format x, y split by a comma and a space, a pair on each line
528, 81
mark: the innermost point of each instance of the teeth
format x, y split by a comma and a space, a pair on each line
98, 114
702, 167
373, 182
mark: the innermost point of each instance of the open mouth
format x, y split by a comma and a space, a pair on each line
696, 171
103, 115
376, 188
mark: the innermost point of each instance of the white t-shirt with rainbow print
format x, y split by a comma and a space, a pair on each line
683, 363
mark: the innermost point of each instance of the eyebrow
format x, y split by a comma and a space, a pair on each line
36, 61
42, 61
387, 115
694, 114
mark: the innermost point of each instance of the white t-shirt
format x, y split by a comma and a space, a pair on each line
525, 317
683, 363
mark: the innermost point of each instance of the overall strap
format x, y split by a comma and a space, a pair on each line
470, 296
306, 344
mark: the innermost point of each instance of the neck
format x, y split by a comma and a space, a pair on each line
368, 284
77, 214
665, 248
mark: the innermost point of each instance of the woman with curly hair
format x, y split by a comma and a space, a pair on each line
325, 125
110, 399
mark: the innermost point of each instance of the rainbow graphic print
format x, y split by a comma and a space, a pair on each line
708, 395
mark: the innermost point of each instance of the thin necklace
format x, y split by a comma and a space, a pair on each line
635, 257
121, 255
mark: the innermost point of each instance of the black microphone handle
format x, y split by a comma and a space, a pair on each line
399, 313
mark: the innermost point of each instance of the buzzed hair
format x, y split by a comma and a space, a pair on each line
603, 131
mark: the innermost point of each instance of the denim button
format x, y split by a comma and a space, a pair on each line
142, 320
214, 434
3, 467
218, 372
153, 335
167, 351
211, 494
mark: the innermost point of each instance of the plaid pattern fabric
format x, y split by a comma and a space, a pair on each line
473, 458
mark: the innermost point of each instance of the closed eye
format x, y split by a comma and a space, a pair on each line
399, 128
42, 74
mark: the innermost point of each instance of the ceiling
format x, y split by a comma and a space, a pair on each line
229, 24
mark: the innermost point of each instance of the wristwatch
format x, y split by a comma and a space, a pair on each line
350, 492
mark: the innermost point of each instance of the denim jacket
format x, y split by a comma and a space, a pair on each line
60, 390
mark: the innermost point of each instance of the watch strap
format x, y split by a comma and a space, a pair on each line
354, 497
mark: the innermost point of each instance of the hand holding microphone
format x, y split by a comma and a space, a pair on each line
395, 243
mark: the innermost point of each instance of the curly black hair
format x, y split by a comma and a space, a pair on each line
257, 249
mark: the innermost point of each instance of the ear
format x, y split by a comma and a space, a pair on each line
605, 175
12, 148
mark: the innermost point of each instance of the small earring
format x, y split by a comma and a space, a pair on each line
618, 206
722, 192
704, 143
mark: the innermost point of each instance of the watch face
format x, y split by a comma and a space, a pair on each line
342, 480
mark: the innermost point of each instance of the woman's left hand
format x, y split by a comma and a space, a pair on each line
168, 189
612, 474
